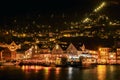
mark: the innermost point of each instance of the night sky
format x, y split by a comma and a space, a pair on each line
75, 9
44, 6
21, 7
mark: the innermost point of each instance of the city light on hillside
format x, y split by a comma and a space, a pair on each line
60, 40
100, 7
86, 20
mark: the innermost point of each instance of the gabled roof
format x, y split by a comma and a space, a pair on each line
77, 45
57, 45
64, 46
57, 48
71, 46
83, 47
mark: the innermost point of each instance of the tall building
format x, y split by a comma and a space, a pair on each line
103, 57
118, 56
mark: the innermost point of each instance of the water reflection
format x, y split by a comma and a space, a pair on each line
57, 71
101, 72
47, 72
28, 69
112, 68
70, 73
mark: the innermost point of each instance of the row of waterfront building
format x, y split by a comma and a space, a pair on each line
73, 53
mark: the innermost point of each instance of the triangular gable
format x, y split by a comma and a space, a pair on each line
83, 47
64, 46
57, 49
71, 49
13, 43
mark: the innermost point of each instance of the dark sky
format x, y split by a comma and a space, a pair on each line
16, 6
43, 6
21, 7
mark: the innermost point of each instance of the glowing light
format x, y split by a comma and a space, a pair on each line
100, 7
86, 20
57, 70
37, 68
52, 39
70, 73
66, 35
100, 49
13, 46
70, 57
111, 56
57, 46
47, 72
32, 67
101, 72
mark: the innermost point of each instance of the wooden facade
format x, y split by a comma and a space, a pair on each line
57, 50
71, 50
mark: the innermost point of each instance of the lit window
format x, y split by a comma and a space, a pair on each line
57, 47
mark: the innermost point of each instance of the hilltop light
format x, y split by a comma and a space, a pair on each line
86, 20
100, 7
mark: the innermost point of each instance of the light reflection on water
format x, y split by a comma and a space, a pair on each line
47, 72
101, 72
70, 73
28, 69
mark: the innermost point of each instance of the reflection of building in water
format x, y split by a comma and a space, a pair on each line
70, 72
101, 72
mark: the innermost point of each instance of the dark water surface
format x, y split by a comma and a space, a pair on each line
100, 72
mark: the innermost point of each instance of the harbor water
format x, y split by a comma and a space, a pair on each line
100, 72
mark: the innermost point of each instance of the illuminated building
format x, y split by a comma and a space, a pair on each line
72, 53
94, 56
112, 58
10, 51
28, 53
118, 56
57, 50
103, 57
80, 53
19, 56
70, 33
71, 50
6, 54
0, 55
